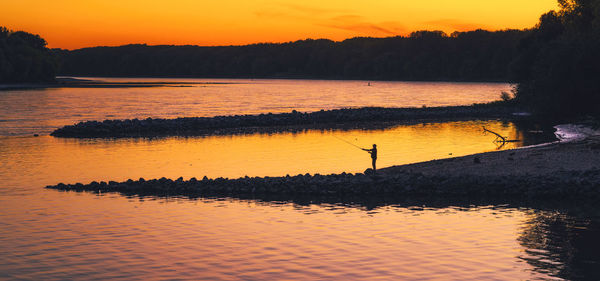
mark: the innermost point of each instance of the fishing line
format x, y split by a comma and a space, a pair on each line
347, 142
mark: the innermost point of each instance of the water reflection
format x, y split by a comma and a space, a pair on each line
66, 235
27, 112
301, 238
563, 242
46, 160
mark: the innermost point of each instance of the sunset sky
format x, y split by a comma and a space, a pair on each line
74, 24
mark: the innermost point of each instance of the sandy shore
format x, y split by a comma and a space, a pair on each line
547, 159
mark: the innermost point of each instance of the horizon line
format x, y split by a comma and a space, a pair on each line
288, 42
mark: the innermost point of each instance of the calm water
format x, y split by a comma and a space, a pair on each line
41, 111
52, 235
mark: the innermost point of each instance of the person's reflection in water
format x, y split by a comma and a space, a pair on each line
373, 152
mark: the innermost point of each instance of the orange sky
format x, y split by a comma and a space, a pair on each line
83, 23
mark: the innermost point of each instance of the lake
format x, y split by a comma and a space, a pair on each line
52, 235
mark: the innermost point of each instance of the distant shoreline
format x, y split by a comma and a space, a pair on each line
284, 77
82, 82
69, 82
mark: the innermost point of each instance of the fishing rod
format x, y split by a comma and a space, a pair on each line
348, 142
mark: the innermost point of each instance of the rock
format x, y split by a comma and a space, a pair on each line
267, 122
561, 184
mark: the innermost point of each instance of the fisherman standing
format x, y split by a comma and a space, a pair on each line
373, 152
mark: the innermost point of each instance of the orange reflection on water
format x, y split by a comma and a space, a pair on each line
47, 160
167, 238
220, 239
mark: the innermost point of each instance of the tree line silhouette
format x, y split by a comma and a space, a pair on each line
555, 64
424, 55
558, 65
25, 58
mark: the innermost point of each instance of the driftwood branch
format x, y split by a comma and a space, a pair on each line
497, 135
503, 140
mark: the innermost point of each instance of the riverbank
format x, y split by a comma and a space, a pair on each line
240, 124
65, 82
578, 150
556, 170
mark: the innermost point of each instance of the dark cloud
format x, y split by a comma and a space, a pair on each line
357, 23
332, 18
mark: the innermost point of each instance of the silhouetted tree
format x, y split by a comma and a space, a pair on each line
559, 62
25, 58
424, 55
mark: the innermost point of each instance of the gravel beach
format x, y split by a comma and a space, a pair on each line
547, 159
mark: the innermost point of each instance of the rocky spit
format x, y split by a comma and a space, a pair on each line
562, 184
236, 124
557, 170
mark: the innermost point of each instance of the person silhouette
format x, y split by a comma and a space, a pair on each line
373, 152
